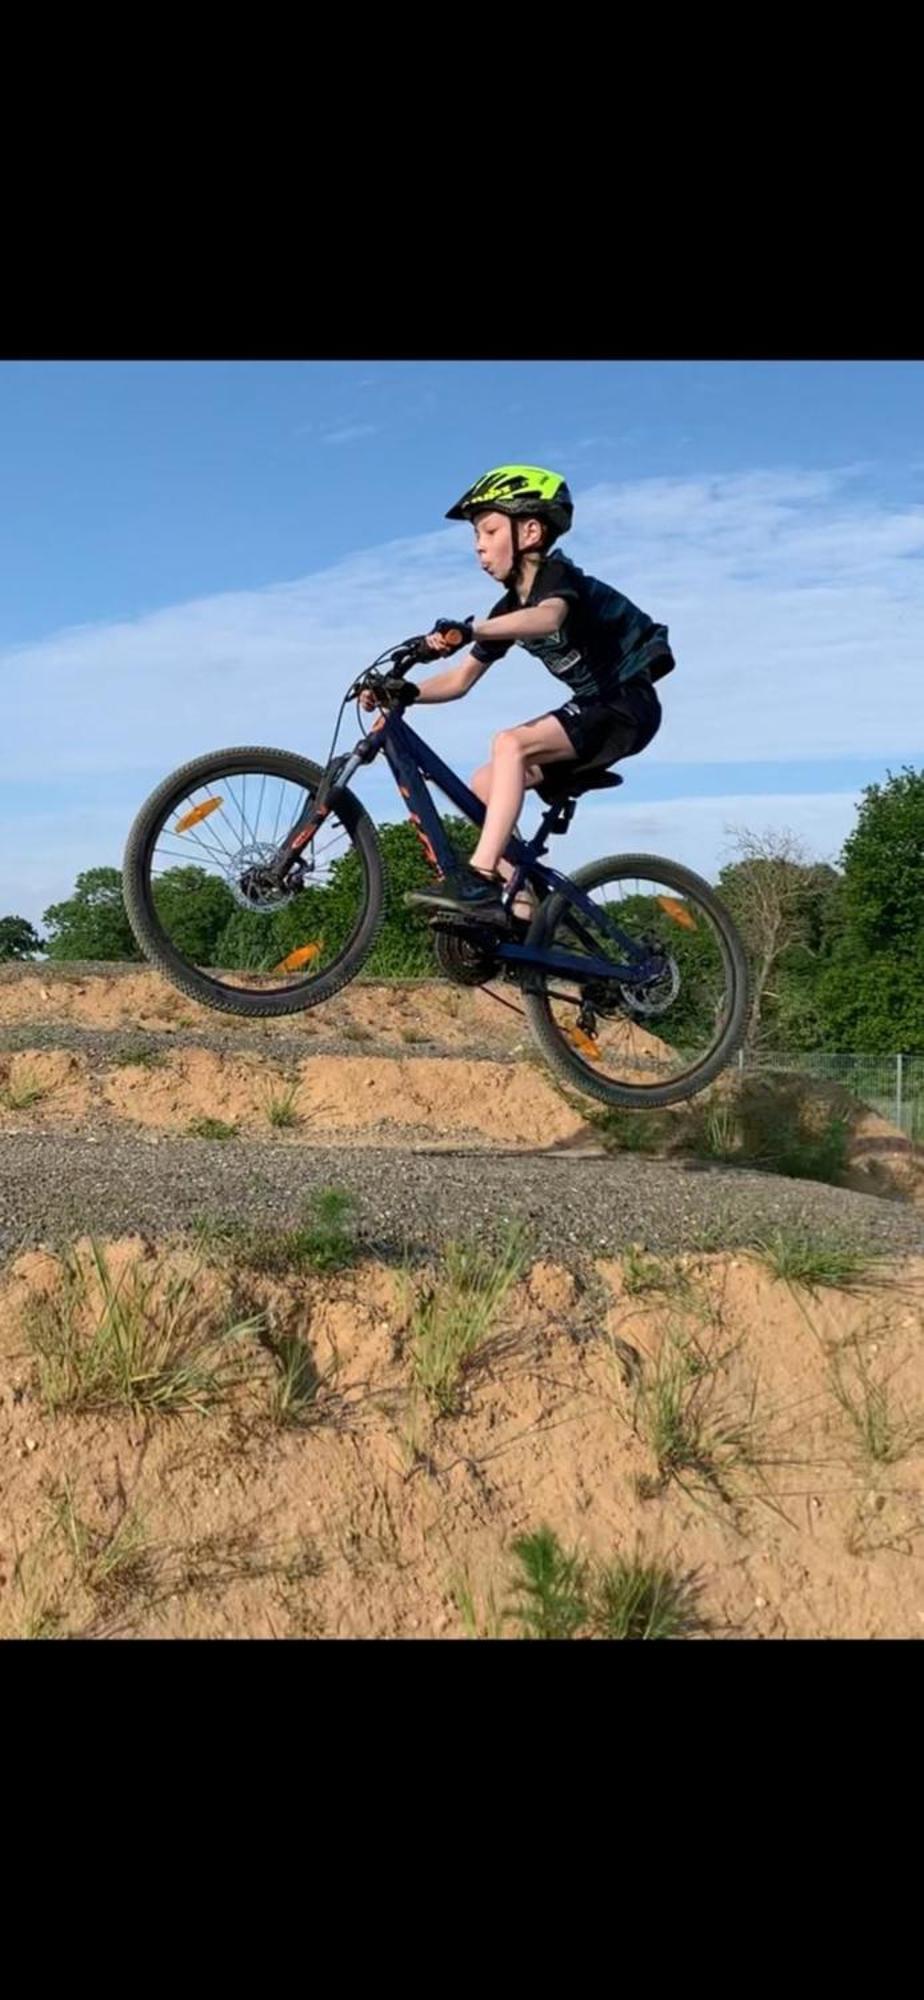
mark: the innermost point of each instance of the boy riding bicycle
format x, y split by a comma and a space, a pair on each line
606, 651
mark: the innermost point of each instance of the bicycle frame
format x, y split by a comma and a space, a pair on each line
414, 765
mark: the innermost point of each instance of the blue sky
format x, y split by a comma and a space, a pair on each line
201, 553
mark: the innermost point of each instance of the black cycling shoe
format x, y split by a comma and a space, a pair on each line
466, 892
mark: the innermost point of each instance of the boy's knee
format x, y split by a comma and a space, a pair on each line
507, 744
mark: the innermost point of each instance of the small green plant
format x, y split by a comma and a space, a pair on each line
885, 1435
141, 1055
632, 1131
814, 1155
36, 1606
353, 1031
768, 1124
721, 1132
559, 1594
110, 1564
641, 1274
794, 1254
211, 1128
485, 1624
414, 1035
638, 1600
324, 1241
144, 1342
453, 1318
550, 1592
680, 1412
24, 1092
282, 1109
298, 1379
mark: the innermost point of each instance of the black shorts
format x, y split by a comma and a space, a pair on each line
601, 732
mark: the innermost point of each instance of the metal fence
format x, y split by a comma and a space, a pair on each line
891, 1085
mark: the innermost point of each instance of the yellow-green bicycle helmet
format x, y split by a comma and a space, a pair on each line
519, 489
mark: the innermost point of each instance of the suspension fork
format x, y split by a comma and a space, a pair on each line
334, 781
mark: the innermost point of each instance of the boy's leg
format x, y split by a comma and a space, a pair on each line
516, 757
524, 905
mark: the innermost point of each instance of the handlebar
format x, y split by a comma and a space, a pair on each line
398, 661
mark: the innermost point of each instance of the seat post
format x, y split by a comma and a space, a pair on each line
556, 819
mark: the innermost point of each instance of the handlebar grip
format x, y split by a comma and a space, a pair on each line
457, 635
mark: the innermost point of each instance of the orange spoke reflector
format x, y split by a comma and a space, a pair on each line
584, 1043
303, 956
198, 812
677, 911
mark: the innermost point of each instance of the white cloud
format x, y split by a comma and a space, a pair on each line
796, 609
698, 831
350, 433
37, 868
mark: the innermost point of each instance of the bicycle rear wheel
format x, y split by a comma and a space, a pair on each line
191, 885
628, 1044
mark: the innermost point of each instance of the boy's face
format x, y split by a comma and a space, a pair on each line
494, 541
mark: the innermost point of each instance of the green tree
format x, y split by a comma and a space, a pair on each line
194, 907
405, 945
18, 940
93, 923
872, 990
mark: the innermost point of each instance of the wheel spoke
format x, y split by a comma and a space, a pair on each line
210, 904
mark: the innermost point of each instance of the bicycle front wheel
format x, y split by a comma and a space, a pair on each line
191, 885
631, 1044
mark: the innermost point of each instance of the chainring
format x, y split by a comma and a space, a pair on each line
462, 957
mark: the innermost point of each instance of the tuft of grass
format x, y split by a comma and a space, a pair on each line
353, 1031
718, 1136
487, 1624
298, 1379
558, 1594
639, 1600
453, 1318
211, 1128
36, 1606
112, 1565
324, 1241
632, 1131
414, 1035
827, 1257
768, 1124
885, 1434
679, 1411
24, 1092
808, 1155
141, 1054
142, 1343
281, 1108
642, 1273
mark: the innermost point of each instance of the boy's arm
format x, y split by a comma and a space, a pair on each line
456, 682
536, 623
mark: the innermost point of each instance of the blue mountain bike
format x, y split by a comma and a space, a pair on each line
254, 881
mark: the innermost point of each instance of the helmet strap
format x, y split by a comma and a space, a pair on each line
515, 573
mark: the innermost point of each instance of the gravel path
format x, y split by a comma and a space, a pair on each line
54, 1183
103, 1046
